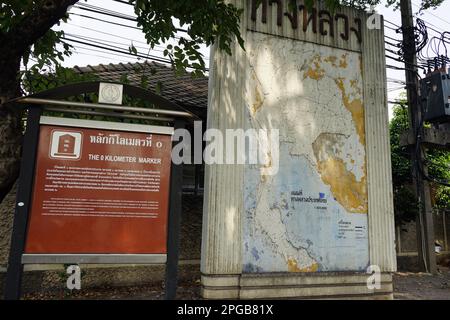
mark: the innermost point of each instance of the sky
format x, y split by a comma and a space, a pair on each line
113, 32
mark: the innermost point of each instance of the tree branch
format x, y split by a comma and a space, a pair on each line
36, 23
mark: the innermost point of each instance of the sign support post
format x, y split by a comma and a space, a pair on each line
23, 204
174, 223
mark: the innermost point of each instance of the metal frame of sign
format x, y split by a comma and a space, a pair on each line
98, 258
35, 107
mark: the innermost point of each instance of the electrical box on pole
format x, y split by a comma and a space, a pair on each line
435, 90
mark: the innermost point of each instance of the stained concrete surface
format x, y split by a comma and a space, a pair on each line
407, 286
422, 286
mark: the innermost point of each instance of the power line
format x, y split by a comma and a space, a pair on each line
111, 34
420, 66
396, 89
428, 12
432, 29
109, 44
98, 56
106, 21
119, 37
391, 28
112, 22
393, 80
392, 44
124, 2
118, 50
109, 41
100, 10
393, 39
398, 28
391, 51
109, 48
111, 13
395, 25
105, 52
428, 24
114, 14
103, 9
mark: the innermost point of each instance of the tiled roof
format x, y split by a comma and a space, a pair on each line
184, 90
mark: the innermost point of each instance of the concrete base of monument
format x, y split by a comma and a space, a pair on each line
326, 285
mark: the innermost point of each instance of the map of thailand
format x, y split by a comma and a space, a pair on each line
312, 215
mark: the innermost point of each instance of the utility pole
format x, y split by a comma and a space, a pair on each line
424, 221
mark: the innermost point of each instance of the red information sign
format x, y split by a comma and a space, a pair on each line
99, 191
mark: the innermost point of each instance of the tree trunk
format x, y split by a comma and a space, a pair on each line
10, 124
6, 223
36, 22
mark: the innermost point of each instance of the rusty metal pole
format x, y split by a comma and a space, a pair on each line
424, 221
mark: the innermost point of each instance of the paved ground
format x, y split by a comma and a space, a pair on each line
407, 286
422, 286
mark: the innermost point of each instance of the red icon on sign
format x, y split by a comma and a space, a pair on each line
65, 145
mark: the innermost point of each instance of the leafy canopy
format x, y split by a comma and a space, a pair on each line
207, 21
